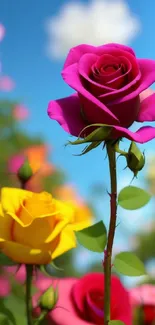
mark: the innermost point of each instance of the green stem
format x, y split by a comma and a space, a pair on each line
29, 273
113, 215
41, 317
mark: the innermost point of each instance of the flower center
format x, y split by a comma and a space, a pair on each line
95, 307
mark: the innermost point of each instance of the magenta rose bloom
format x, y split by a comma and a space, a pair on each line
110, 82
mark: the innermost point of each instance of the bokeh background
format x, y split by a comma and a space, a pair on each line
35, 37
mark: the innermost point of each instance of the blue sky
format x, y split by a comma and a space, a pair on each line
38, 80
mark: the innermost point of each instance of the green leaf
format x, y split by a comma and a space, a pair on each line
56, 267
4, 320
16, 306
48, 268
6, 261
93, 238
129, 264
6, 316
115, 322
132, 198
90, 147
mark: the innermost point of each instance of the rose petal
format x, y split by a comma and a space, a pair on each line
143, 295
103, 114
83, 286
120, 46
24, 254
127, 112
11, 198
6, 225
71, 77
146, 93
120, 306
123, 78
5, 287
76, 52
28, 235
67, 112
95, 308
144, 134
118, 95
65, 313
147, 78
147, 109
67, 241
84, 69
103, 61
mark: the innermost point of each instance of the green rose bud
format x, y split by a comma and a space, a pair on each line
49, 299
135, 159
25, 172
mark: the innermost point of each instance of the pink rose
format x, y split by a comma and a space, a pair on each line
2, 32
109, 81
18, 273
144, 294
6, 83
81, 301
15, 162
20, 112
144, 297
5, 286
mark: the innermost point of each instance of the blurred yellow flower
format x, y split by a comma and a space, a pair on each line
67, 192
82, 213
35, 228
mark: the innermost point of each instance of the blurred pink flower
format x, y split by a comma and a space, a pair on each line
5, 287
2, 32
143, 295
18, 273
15, 163
6, 83
20, 112
43, 283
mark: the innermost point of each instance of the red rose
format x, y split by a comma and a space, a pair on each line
81, 301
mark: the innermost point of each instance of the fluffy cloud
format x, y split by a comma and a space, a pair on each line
97, 22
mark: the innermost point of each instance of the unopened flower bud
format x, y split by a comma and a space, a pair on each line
135, 159
25, 172
49, 299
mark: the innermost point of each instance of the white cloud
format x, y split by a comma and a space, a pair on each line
96, 23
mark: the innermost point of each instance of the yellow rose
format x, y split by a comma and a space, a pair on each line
35, 228
82, 215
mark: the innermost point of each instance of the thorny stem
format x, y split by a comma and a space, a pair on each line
113, 215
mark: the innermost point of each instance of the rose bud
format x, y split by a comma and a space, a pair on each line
135, 159
25, 172
49, 299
